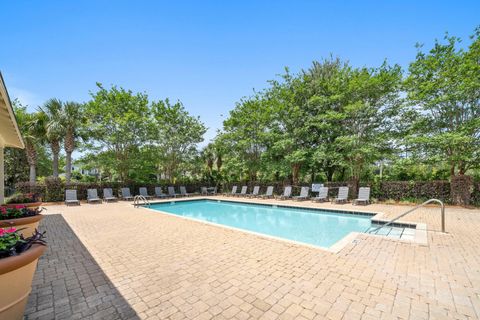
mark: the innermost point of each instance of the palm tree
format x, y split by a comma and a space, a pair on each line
72, 119
32, 130
50, 113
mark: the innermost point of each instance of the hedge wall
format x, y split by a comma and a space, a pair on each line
475, 198
419, 190
385, 190
54, 190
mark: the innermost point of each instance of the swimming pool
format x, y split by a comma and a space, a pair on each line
317, 227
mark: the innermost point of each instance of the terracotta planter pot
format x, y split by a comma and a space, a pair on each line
16, 274
28, 205
29, 223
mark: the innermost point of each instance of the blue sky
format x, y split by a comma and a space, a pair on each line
208, 54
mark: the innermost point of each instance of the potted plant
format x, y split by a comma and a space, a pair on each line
23, 218
29, 200
18, 261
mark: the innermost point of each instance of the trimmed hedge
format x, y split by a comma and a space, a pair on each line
420, 190
385, 190
475, 199
54, 189
461, 189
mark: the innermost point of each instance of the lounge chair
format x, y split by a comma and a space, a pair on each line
172, 193
287, 193
204, 191
143, 192
234, 192
363, 196
108, 195
303, 194
126, 195
159, 193
212, 191
243, 192
268, 194
322, 195
183, 192
71, 197
92, 196
342, 195
254, 193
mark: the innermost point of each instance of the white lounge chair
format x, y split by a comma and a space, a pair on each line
234, 192
268, 193
92, 196
303, 194
108, 195
363, 196
172, 193
71, 197
126, 195
243, 192
159, 193
183, 192
342, 195
143, 192
322, 195
254, 193
287, 193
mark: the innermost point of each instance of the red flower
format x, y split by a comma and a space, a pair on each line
20, 206
11, 230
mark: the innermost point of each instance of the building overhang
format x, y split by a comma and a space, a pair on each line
9, 133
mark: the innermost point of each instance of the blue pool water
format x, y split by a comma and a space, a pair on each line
320, 228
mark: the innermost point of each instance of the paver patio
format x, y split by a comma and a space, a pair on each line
112, 261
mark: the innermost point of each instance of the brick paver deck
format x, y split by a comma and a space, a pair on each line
112, 261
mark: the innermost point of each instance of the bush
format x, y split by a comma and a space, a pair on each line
461, 189
417, 191
421, 190
475, 200
22, 198
53, 190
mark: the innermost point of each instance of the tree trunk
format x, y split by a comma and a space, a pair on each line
329, 173
219, 163
68, 166
452, 170
32, 161
55, 145
295, 173
69, 146
33, 174
353, 184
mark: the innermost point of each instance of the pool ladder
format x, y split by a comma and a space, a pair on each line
442, 211
139, 198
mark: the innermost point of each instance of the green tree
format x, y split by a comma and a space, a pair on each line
174, 135
118, 121
72, 120
50, 115
32, 130
244, 137
443, 88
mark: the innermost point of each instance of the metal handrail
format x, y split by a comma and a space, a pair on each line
413, 209
137, 198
